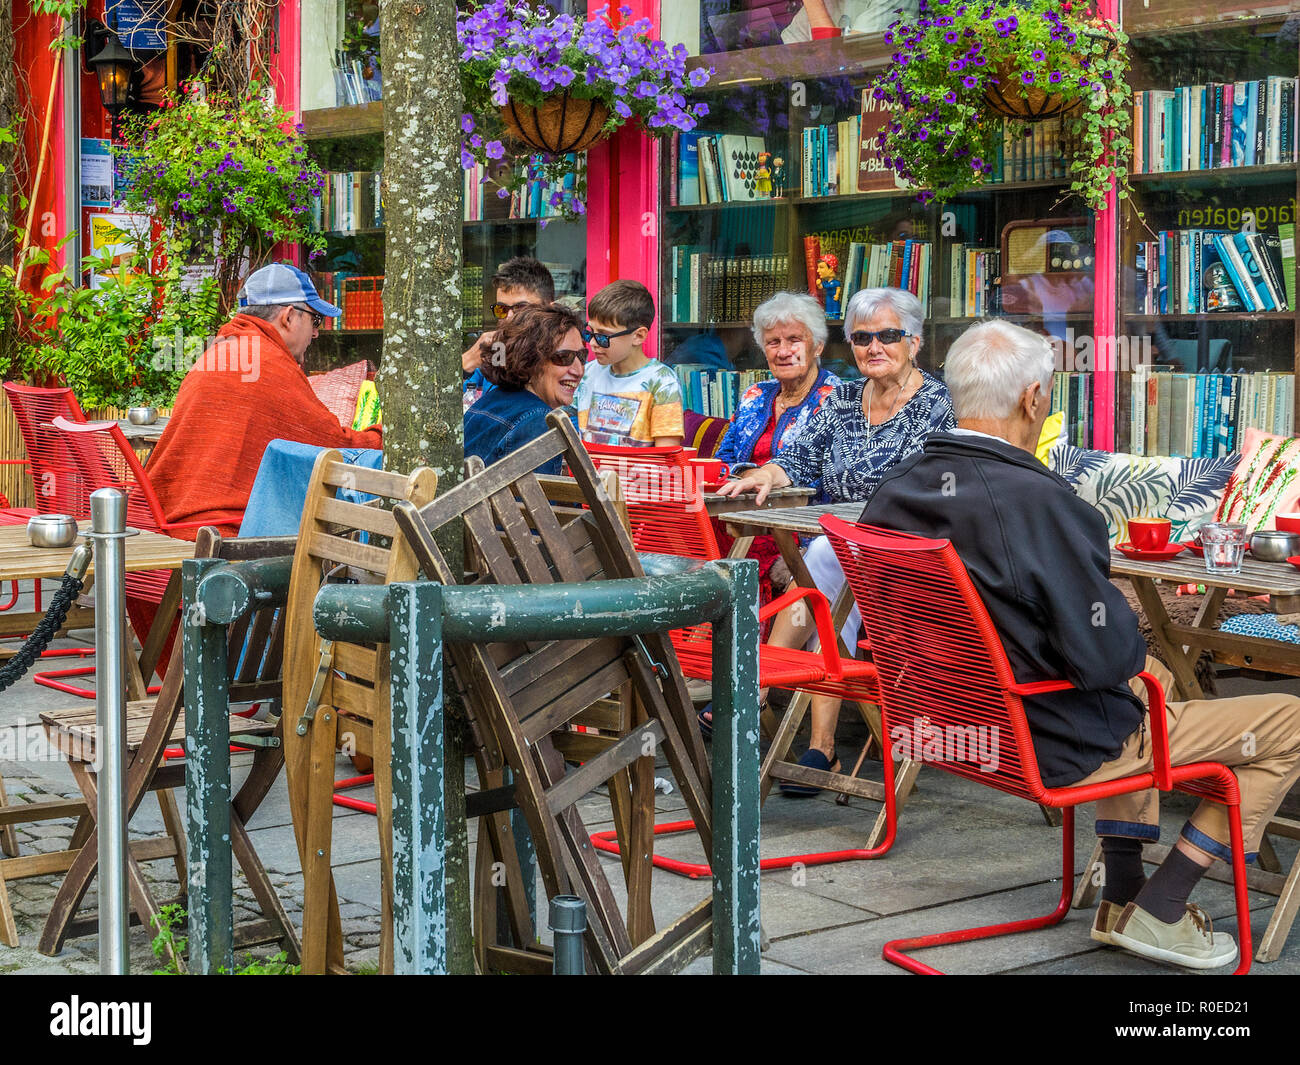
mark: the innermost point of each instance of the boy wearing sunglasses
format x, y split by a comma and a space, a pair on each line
625, 398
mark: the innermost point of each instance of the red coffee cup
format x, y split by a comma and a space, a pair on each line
1149, 534
711, 471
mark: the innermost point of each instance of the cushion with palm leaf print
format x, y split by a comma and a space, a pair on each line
1186, 491
1265, 483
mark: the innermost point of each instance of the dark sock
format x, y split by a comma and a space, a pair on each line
1123, 865
1165, 894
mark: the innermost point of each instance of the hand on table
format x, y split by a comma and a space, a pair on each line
760, 481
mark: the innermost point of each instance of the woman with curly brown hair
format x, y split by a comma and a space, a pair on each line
536, 361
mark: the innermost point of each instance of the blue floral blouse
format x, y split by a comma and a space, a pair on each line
754, 414
836, 451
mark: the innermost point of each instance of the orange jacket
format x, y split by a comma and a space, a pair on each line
245, 391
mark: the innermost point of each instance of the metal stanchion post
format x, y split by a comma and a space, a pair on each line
568, 924
108, 530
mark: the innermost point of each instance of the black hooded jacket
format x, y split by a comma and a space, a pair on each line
1040, 558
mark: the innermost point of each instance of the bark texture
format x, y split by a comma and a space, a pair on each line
419, 381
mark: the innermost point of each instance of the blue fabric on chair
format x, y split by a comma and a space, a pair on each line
1264, 626
275, 504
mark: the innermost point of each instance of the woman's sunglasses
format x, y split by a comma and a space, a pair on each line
565, 356
601, 340
863, 339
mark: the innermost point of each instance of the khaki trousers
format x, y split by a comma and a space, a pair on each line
1258, 736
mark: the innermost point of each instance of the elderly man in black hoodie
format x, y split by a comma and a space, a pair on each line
1040, 558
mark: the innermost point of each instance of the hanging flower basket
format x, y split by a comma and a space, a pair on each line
561, 124
520, 67
1007, 96
965, 77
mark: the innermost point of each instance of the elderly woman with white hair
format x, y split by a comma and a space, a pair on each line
862, 430
790, 329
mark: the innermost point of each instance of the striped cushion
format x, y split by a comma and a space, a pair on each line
704, 434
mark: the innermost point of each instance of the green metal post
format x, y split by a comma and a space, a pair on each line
207, 778
419, 819
735, 777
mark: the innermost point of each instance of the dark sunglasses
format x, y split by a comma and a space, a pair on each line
601, 340
863, 339
502, 310
316, 319
565, 356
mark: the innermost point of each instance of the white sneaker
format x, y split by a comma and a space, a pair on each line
1190, 942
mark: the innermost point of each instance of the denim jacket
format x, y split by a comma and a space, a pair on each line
755, 413
504, 420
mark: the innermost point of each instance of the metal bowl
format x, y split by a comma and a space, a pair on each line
52, 530
1269, 545
142, 415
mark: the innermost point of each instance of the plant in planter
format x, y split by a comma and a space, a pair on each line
227, 178
550, 84
962, 68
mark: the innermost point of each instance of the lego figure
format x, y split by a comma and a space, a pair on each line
763, 176
778, 176
828, 284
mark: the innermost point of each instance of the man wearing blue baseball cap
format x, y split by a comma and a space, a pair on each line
247, 389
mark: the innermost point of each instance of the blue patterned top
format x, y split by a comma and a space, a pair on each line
754, 415
836, 451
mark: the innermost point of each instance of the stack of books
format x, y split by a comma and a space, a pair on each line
329, 284
532, 199
718, 288
1206, 415
351, 86
1072, 393
712, 392
973, 281
891, 264
722, 168
1218, 124
1200, 271
352, 200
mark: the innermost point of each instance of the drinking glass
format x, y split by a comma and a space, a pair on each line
1225, 544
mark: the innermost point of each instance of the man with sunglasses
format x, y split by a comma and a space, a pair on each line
246, 390
520, 282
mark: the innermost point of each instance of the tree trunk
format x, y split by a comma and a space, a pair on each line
419, 382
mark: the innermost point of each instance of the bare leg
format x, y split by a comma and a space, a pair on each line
792, 628
824, 711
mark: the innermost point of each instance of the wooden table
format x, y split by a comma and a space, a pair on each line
1182, 644
786, 499
143, 434
19, 561
785, 524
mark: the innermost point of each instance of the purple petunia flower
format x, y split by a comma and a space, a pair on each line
950, 97
956, 65
1027, 76
1054, 76
1038, 55
970, 81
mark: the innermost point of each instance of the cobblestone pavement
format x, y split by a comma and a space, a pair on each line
965, 855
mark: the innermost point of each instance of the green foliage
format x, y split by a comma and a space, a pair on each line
167, 943
115, 345
234, 173
944, 135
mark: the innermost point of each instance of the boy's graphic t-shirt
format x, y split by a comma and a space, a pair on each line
629, 410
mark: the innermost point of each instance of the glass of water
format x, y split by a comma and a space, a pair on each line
1225, 545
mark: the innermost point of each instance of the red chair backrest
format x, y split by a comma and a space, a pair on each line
944, 675
55, 483
104, 459
665, 500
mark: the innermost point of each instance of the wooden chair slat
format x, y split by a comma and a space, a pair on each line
371, 519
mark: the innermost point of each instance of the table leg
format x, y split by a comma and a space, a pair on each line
740, 547
1180, 662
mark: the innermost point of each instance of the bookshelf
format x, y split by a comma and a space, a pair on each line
753, 236
1212, 182
348, 142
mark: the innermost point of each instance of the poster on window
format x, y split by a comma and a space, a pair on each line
118, 236
96, 172
141, 25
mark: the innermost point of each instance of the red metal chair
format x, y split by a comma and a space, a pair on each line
944, 673
665, 507
102, 458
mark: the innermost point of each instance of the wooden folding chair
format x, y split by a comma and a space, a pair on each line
153, 728
520, 695
335, 694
